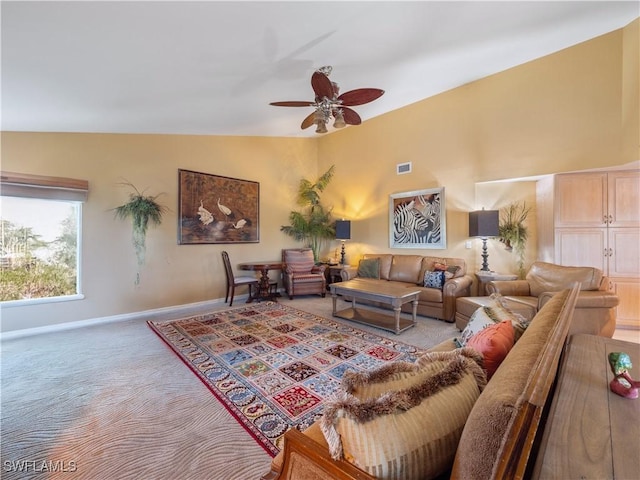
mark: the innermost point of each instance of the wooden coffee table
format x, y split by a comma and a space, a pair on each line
390, 294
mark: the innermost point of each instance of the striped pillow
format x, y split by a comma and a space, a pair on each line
403, 420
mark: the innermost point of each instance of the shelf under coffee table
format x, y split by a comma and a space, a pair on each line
390, 294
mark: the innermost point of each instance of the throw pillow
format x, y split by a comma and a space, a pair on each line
497, 309
369, 268
299, 261
453, 269
434, 279
404, 421
494, 343
479, 321
439, 266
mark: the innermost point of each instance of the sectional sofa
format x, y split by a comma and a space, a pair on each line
496, 438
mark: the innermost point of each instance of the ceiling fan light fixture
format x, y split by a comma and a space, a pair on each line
322, 127
328, 102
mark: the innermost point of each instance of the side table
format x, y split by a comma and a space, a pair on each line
334, 273
486, 277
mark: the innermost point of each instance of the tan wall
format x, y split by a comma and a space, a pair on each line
631, 91
498, 196
559, 113
173, 274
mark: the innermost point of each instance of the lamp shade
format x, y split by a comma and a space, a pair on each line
343, 229
484, 223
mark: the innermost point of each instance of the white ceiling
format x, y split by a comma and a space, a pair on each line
213, 67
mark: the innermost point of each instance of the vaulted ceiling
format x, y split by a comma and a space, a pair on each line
212, 68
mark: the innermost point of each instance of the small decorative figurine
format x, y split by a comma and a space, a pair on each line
622, 384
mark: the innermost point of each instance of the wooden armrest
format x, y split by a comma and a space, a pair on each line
305, 458
524, 431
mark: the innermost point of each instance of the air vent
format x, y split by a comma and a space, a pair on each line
402, 168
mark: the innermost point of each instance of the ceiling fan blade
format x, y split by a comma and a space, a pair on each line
350, 116
321, 85
291, 104
360, 96
310, 120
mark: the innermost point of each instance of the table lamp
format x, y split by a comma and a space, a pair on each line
343, 232
484, 223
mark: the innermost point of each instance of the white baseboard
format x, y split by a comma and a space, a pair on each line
167, 313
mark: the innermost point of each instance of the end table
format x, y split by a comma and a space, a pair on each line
485, 277
334, 273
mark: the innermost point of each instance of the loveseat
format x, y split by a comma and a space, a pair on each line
450, 279
595, 310
497, 440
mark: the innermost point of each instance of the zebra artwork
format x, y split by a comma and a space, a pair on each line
417, 221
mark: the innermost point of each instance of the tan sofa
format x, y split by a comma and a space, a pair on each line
595, 310
502, 430
409, 270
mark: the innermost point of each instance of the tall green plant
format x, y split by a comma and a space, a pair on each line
314, 224
513, 231
140, 209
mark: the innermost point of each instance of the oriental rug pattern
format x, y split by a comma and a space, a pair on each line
272, 365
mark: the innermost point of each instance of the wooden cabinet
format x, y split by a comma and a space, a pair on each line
597, 200
581, 200
623, 199
581, 247
596, 222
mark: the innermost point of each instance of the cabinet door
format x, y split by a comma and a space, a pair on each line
581, 247
581, 200
624, 199
623, 252
628, 310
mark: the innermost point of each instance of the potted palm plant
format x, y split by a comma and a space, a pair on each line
314, 224
513, 232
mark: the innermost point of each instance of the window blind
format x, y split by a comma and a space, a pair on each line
41, 186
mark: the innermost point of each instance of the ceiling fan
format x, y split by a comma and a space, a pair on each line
329, 104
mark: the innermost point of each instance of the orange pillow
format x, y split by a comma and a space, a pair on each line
494, 343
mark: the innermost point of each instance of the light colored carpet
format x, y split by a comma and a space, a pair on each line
112, 401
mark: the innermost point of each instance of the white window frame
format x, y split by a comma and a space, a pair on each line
48, 188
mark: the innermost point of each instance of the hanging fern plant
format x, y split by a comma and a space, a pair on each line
141, 210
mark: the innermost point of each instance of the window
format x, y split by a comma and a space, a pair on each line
40, 238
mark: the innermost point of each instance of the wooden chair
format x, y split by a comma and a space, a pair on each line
300, 275
233, 281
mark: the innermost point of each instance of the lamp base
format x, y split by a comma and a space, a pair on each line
342, 254
485, 256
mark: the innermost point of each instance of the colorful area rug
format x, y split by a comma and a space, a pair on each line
272, 365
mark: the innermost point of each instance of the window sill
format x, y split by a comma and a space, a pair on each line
38, 301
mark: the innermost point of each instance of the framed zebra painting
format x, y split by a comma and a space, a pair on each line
418, 219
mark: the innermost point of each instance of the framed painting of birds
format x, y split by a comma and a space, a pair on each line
217, 209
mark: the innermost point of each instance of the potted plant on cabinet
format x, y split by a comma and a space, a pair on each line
513, 231
314, 224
